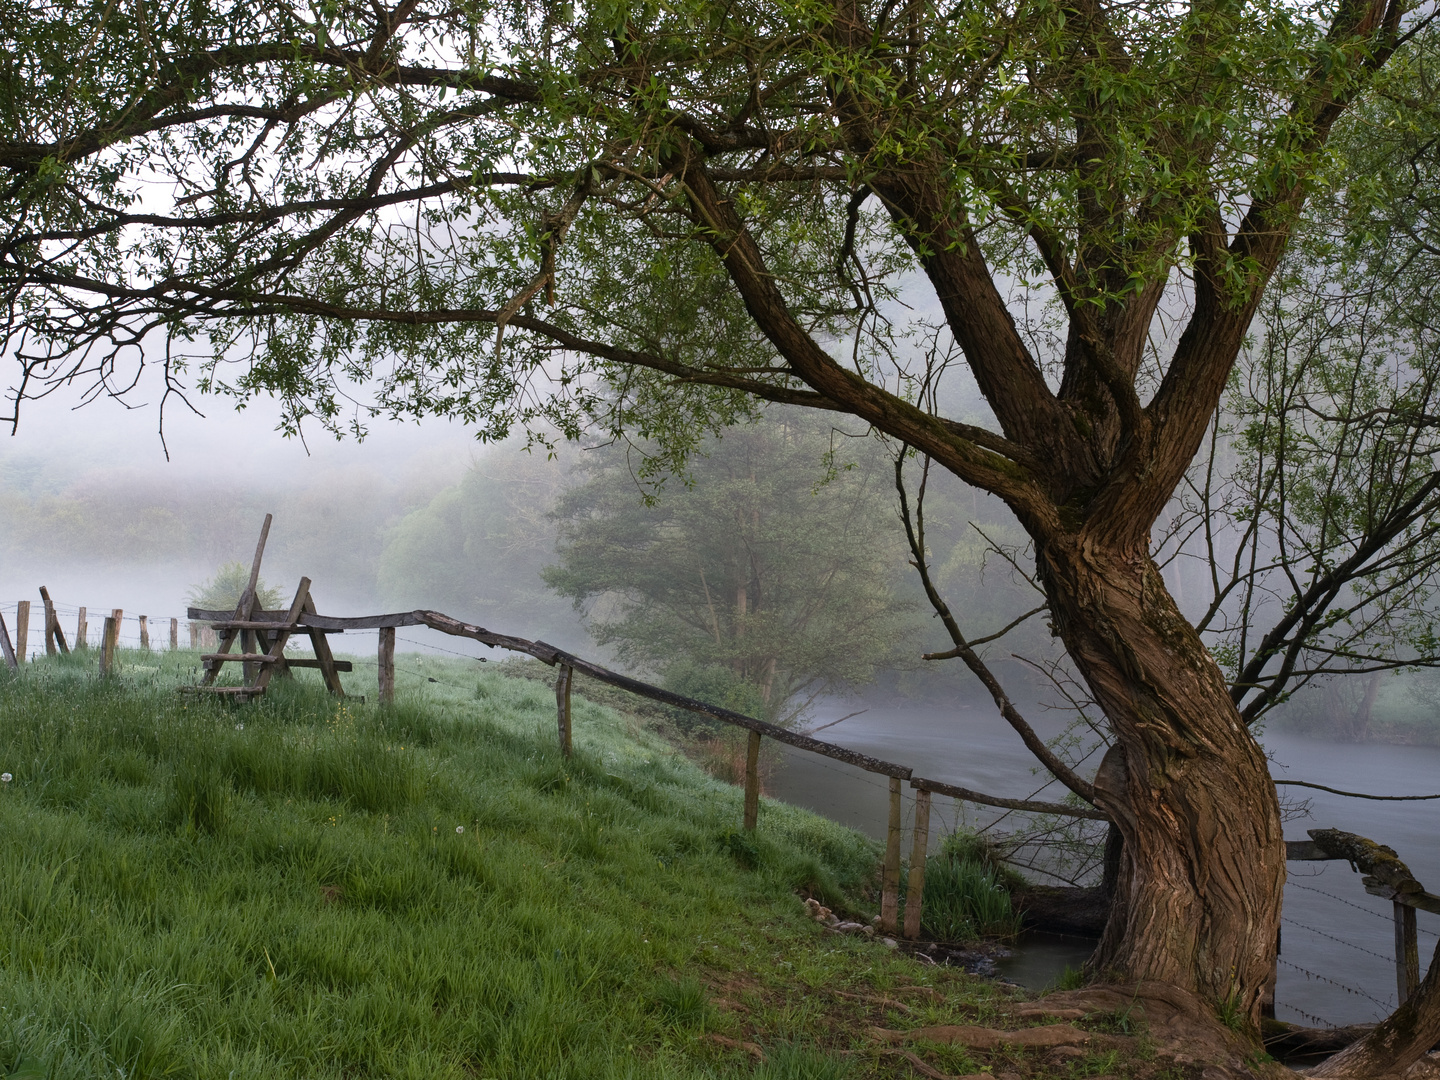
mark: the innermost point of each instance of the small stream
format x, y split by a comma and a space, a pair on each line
1337, 942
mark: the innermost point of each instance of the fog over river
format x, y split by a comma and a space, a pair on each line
1337, 953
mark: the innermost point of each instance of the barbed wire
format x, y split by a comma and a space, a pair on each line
1332, 937
1357, 907
1308, 1016
1386, 1005
437, 648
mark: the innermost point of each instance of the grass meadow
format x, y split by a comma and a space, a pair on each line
306, 887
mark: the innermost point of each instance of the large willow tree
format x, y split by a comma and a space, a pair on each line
652, 214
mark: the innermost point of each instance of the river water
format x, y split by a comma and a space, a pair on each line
1337, 942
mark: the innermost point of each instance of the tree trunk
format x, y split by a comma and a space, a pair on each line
1203, 860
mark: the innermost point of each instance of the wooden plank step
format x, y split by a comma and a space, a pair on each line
312, 621
305, 662
278, 623
237, 691
246, 657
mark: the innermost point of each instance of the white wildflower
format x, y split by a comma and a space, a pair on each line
459, 828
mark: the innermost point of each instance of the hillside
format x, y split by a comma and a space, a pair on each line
305, 888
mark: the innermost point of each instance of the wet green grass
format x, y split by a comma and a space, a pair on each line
300, 887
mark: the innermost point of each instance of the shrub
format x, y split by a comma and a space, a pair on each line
714, 686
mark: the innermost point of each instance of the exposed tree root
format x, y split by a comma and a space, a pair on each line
1181, 1026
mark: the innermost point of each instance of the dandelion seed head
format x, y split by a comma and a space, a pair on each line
459, 828
5, 777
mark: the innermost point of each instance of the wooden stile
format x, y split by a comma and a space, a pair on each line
752, 781
387, 665
82, 631
915, 892
564, 680
53, 634
144, 632
890, 879
6, 647
242, 611
174, 634
302, 662
22, 630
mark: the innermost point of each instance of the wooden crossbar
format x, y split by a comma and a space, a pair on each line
308, 663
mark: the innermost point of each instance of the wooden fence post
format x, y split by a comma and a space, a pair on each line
6, 647
194, 635
890, 879
914, 894
22, 630
752, 781
1407, 952
387, 665
82, 631
108, 643
53, 634
144, 632
564, 678
174, 634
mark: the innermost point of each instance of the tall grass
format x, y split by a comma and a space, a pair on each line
300, 888
967, 896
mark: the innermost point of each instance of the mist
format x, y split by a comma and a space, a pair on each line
96, 506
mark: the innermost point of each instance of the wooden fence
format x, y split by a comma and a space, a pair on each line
1385, 874
14, 651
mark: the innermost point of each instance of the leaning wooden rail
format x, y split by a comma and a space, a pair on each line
1034, 806
553, 656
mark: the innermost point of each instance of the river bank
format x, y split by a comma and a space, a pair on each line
1336, 964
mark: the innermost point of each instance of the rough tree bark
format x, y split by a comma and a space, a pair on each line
1203, 861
